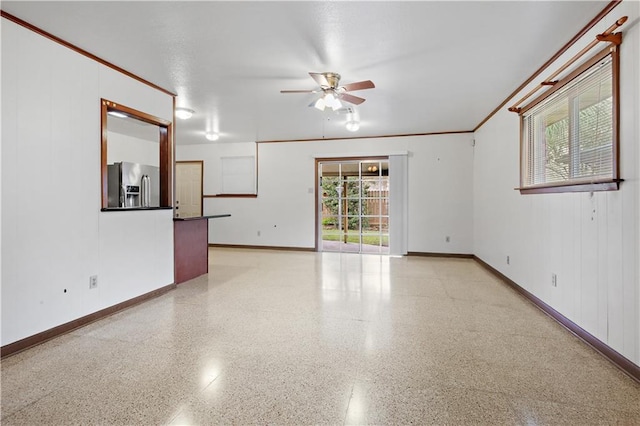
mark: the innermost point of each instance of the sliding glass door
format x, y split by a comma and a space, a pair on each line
354, 206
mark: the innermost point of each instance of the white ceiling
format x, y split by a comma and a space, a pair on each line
437, 66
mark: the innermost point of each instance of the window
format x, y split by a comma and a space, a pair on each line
238, 175
569, 139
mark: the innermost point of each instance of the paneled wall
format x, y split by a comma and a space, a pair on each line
54, 236
590, 240
440, 190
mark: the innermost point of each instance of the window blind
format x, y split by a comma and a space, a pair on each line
569, 136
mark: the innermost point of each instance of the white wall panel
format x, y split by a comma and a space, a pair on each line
440, 193
9, 123
615, 268
133, 252
589, 263
630, 95
53, 233
568, 271
398, 205
230, 230
590, 240
134, 150
119, 88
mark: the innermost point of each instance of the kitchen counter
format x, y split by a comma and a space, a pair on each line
191, 246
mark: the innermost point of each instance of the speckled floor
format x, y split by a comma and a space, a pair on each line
311, 338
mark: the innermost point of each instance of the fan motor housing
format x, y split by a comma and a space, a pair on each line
333, 78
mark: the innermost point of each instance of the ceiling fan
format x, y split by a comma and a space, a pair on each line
331, 92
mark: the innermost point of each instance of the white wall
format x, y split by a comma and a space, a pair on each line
440, 190
53, 233
590, 240
211, 154
132, 149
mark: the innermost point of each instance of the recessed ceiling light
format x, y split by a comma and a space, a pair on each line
353, 126
353, 120
212, 136
184, 113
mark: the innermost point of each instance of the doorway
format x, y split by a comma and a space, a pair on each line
353, 205
189, 177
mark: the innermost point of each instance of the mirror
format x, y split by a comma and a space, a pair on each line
136, 159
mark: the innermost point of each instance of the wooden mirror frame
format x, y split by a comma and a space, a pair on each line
166, 150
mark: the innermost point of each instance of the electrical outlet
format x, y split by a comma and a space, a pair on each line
93, 281
508, 260
554, 280
447, 239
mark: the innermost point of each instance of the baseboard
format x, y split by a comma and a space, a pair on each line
430, 254
628, 367
241, 246
36, 339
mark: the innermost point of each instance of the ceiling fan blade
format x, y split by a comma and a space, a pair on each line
298, 91
360, 85
320, 79
350, 98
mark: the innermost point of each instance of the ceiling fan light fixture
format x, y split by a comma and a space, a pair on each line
212, 136
320, 104
334, 95
184, 113
332, 101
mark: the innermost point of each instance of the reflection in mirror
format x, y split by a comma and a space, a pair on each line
132, 140
133, 157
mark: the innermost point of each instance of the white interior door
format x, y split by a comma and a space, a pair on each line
188, 188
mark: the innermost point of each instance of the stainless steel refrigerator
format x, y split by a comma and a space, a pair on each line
133, 185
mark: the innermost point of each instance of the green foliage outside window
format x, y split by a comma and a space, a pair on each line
331, 201
594, 134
